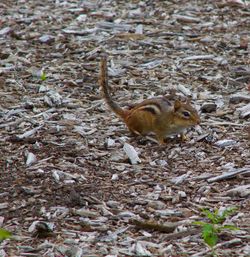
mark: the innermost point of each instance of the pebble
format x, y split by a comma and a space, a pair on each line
157, 205
225, 142
208, 107
115, 177
110, 142
182, 194
47, 39
31, 158
82, 18
162, 163
113, 204
131, 153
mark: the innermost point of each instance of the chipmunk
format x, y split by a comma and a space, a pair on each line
157, 115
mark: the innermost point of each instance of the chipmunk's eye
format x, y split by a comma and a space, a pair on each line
186, 114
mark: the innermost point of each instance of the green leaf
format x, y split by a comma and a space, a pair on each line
216, 212
207, 230
199, 223
4, 234
228, 212
230, 227
211, 229
216, 218
211, 216
209, 235
43, 76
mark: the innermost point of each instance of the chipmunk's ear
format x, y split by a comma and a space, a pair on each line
188, 100
177, 105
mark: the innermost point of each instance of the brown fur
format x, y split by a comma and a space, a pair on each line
157, 115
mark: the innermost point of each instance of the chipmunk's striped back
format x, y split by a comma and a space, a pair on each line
158, 115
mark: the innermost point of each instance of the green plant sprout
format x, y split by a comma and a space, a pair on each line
4, 234
43, 76
211, 229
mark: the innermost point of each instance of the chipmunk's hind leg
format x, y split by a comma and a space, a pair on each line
161, 139
135, 124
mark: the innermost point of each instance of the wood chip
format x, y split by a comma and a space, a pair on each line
67, 160
228, 175
131, 153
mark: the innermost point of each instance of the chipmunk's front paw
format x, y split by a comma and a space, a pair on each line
184, 138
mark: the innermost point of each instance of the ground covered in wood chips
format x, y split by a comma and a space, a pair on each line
67, 187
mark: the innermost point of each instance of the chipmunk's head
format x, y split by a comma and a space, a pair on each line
185, 115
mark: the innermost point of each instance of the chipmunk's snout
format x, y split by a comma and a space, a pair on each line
198, 120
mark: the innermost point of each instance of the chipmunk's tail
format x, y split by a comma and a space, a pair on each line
103, 82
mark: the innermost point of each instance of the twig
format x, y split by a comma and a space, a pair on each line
224, 123
181, 234
230, 174
29, 133
12, 123
152, 225
233, 241
100, 102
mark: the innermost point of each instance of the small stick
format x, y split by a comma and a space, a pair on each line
223, 124
233, 241
230, 174
181, 234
